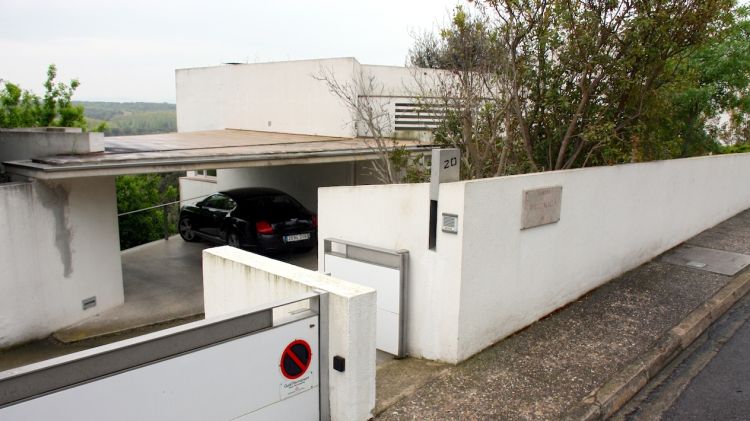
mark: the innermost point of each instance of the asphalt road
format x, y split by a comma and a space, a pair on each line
709, 381
721, 391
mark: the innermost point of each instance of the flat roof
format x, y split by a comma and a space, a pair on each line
229, 148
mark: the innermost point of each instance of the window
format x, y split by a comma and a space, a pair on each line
277, 207
219, 201
205, 173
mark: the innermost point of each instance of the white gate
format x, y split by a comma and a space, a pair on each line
383, 270
259, 365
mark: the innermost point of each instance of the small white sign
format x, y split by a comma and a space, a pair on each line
295, 387
450, 223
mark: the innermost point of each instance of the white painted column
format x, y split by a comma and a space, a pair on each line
234, 280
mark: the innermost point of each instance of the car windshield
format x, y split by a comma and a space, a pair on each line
272, 208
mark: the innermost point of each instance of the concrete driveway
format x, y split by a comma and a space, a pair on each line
163, 284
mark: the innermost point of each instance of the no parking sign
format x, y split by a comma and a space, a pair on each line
295, 359
294, 364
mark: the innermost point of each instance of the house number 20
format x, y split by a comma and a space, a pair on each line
450, 163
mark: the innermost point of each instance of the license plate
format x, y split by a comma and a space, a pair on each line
298, 237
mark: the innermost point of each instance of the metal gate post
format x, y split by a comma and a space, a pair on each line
324, 358
166, 223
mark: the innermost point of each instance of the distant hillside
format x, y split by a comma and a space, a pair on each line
130, 118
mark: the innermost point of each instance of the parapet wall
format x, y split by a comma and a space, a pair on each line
29, 143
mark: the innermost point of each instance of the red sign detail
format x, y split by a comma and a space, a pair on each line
296, 359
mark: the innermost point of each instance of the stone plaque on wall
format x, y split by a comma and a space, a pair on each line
541, 206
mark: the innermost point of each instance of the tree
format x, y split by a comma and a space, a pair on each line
585, 73
139, 192
22, 108
569, 83
17, 108
469, 91
708, 103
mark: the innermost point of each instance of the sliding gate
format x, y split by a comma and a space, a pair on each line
384, 270
258, 365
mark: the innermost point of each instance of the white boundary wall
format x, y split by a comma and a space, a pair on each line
234, 280
396, 217
612, 220
492, 278
60, 246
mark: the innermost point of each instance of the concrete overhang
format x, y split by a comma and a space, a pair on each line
202, 150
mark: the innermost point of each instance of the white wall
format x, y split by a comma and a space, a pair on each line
60, 246
396, 217
27, 143
399, 85
234, 280
388, 105
399, 80
612, 220
196, 187
275, 97
300, 181
492, 279
283, 97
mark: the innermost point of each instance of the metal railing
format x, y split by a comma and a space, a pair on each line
165, 211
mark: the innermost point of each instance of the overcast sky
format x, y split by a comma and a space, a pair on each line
128, 50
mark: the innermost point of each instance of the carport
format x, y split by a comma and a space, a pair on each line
162, 280
213, 149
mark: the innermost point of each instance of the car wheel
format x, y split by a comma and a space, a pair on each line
185, 227
233, 239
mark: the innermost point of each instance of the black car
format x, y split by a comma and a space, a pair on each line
258, 219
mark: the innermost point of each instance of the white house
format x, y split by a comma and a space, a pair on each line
289, 99
271, 124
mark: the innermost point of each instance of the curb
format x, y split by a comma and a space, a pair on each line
147, 245
408, 391
605, 401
